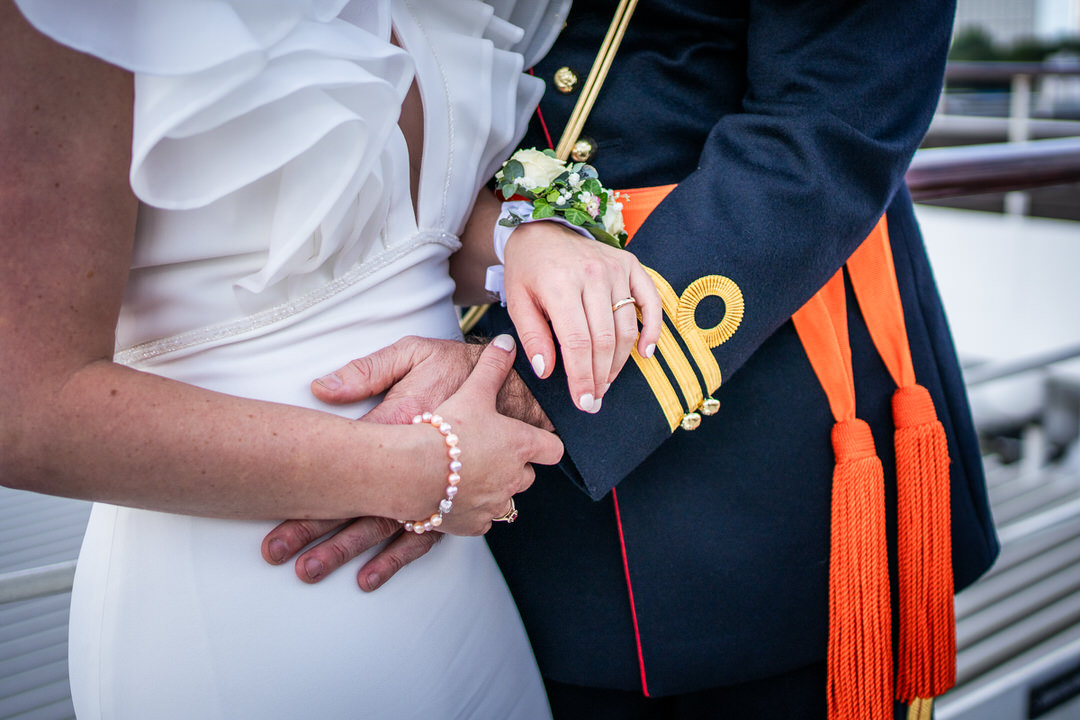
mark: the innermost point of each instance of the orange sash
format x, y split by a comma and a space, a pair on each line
860, 675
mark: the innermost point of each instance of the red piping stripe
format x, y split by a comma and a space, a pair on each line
540, 117
630, 589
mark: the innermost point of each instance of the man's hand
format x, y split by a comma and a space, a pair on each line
416, 374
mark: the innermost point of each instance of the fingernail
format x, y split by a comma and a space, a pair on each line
596, 406
650, 350
538, 365
604, 389
585, 402
374, 581
313, 568
330, 382
504, 342
278, 551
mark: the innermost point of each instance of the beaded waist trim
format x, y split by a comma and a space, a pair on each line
240, 326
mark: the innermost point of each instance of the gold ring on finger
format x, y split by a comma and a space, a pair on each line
510, 515
621, 303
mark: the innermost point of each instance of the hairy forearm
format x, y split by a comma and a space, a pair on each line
116, 435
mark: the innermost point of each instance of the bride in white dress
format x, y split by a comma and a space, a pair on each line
276, 236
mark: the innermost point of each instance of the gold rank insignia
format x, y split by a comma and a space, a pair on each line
695, 387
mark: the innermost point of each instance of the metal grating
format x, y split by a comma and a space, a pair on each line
36, 530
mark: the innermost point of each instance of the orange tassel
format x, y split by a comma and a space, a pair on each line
860, 630
927, 652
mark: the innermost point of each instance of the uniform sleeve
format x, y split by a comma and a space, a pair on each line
839, 96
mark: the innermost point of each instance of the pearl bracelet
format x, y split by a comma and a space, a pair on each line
452, 479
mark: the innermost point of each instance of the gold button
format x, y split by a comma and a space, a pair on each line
709, 406
565, 80
584, 150
690, 421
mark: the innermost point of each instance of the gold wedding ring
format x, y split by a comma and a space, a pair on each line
624, 301
510, 515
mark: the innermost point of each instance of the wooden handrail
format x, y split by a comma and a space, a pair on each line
971, 169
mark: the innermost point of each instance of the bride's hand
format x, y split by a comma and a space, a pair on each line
553, 274
411, 375
497, 451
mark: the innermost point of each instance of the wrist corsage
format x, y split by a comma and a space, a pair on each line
569, 191
536, 185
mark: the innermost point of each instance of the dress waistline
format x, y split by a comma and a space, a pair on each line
219, 331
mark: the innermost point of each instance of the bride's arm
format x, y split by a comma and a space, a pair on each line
73, 423
556, 276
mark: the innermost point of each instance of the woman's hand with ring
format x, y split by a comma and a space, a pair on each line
575, 283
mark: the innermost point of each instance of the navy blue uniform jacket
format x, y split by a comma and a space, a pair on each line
788, 127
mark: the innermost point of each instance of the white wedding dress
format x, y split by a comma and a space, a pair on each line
277, 240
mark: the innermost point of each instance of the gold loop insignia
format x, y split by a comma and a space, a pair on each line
711, 286
680, 311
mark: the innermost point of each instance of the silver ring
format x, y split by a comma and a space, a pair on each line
510, 515
624, 301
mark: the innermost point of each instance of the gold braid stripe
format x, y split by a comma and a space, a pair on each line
661, 387
669, 347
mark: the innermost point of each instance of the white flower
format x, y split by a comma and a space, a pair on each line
574, 180
540, 169
612, 220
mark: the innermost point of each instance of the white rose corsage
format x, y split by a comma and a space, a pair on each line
567, 191
536, 185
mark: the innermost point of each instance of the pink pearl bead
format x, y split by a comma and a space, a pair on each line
451, 440
451, 492
453, 478
436, 420
455, 452
436, 520
455, 466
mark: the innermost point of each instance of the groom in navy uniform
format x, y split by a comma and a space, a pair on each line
677, 561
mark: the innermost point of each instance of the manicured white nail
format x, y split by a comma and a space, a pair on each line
585, 402
330, 382
650, 350
596, 406
604, 389
538, 365
504, 342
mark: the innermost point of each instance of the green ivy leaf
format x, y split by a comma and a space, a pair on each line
576, 217
541, 212
592, 185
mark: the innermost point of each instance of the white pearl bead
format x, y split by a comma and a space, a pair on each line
454, 452
451, 440
453, 478
426, 417
436, 420
417, 420
428, 526
436, 520
445, 428
451, 492
455, 466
